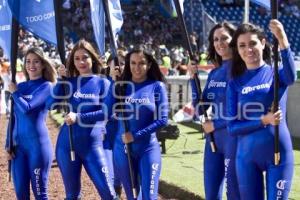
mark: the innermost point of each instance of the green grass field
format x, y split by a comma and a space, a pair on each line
183, 162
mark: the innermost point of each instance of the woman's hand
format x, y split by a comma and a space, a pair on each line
192, 69
9, 156
272, 118
62, 71
115, 72
127, 137
208, 126
12, 87
277, 29
70, 118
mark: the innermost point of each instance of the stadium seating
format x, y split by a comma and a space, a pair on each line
235, 15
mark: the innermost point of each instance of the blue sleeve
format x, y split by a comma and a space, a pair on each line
162, 109
287, 74
196, 97
105, 109
235, 126
38, 98
56, 95
219, 123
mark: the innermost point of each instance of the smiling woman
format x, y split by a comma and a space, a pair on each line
32, 157
145, 110
218, 166
253, 82
87, 90
37, 66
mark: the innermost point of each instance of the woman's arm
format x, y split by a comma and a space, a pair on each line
106, 107
235, 126
37, 98
196, 97
287, 73
162, 110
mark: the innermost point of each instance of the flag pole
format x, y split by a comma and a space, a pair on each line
125, 123
197, 81
246, 11
203, 25
61, 51
274, 10
13, 60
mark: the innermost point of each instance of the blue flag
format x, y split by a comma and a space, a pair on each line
36, 16
169, 7
116, 17
5, 28
263, 3
98, 21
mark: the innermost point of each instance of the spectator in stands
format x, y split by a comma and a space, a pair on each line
219, 166
252, 88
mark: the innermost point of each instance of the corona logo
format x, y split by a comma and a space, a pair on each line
155, 166
105, 170
281, 184
37, 171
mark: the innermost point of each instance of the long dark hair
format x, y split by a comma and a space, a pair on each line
153, 73
83, 44
212, 54
238, 65
49, 72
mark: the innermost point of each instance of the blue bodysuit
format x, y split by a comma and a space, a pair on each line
87, 94
108, 144
33, 149
220, 165
249, 96
146, 110
146, 104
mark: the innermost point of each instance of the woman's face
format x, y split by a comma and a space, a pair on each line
250, 48
83, 62
139, 67
221, 43
33, 66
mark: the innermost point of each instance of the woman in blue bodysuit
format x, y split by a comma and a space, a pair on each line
114, 73
85, 92
249, 102
218, 166
33, 153
145, 110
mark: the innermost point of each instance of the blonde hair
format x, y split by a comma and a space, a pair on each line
49, 72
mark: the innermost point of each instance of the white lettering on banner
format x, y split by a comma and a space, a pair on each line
141, 100
78, 94
38, 18
5, 27
213, 83
246, 90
